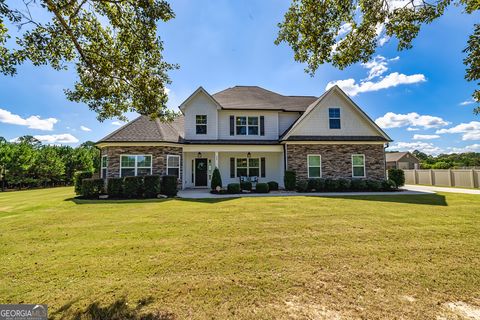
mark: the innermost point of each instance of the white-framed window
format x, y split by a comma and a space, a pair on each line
173, 165
358, 165
135, 165
248, 167
104, 166
246, 126
201, 123
314, 162
334, 118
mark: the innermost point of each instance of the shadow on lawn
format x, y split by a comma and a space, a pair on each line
122, 201
117, 310
425, 199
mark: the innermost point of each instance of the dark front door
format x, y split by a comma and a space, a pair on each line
201, 172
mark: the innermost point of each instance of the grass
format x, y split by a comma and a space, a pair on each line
372, 257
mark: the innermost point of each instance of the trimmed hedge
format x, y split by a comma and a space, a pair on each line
358, 185
272, 185
133, 187
389, 185
77, 180
301, 186
332, 185
216, 179
169, 186
290, 180
262, 188
151, 185
374, 185
115, 187
397, 175
343, 185
92, 188
233, 188
246, 185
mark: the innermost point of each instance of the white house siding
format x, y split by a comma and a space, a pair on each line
351, 121
271, 124
201, 105
285, 120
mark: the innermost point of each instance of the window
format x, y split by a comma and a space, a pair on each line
104, 167
314, 166
358, 166
334, 118
246, 126
249, 167
201, 123
135, 165
173, 165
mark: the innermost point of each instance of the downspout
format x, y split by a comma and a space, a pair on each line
385, 146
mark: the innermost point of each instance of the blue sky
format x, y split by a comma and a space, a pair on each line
416, 95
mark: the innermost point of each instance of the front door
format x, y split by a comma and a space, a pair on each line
201, 172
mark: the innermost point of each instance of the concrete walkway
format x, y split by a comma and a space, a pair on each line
205, 193
412, 187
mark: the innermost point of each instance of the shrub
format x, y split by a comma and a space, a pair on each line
301, 186
133, 187
233, 188
169, 186
312, 185
374, 185
77, 180
246, 185
332, 185
262, 188
92, 188
272, 185
151, 185
397, 175
115, 187
358, 185
344, 184
216, 179
388, 185
290, 180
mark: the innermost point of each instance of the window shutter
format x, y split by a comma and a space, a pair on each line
262, 167
262, 125
232, 167
232, 125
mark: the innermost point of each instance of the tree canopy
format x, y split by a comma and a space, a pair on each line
112, 43
343, 32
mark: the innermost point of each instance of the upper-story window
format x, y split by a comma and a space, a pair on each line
334, 118
246, 126
201, 124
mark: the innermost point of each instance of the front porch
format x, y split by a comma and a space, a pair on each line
233, 161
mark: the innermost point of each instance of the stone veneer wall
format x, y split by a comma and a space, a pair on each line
337, 159
159, 158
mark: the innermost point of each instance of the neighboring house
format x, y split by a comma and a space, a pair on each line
250, 131
402, 160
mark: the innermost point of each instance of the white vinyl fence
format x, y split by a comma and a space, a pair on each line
467, 178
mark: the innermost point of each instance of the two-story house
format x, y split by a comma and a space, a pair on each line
250, 131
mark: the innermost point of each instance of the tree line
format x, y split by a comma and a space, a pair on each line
448, 161
27, 163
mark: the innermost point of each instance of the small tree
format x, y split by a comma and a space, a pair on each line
397, 175
216, 179
290, 180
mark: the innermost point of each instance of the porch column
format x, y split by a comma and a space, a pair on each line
216, 159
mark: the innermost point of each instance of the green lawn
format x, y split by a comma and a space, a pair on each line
370, 257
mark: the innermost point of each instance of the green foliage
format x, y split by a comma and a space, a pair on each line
169, 186
262, 187
358, 185
246, 185
389, 185
79, 176
374, 185
301, 186
92, 188
311, 28
272, 185
397, 175
113, 44
216, 179
290, 180
133, 187
344, 184
115, 187
233, 188
332, 185
152, 185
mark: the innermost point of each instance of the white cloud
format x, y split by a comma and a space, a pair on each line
471, 148
85, 128
53, 138
344, 29
391, 80
411, 146
116, 123
471, 130
412, 129
377, 67
425, 136
32, 122
412, 119
467, 102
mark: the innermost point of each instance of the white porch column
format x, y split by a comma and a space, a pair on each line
216, 159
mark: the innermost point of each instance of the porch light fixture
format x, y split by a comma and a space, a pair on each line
199, 155
249, 155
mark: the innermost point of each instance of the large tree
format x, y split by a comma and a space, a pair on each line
343, 32
113, 44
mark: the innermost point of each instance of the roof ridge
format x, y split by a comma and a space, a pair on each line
121, 128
